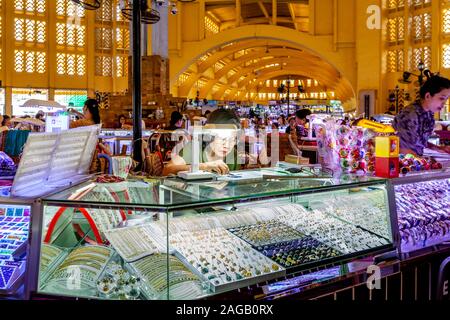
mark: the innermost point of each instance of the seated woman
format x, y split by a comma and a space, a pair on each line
219, 155
90, 115
123, 123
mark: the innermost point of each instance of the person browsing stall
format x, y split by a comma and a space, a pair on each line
415, 123
89, 117
5, 123
176, 121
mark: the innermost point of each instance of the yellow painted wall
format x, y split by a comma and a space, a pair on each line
368, 51
322, 17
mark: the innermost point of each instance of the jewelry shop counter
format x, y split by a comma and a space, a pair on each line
169, 239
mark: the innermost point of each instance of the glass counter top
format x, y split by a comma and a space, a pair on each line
173, 192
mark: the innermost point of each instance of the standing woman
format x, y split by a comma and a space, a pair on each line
90, 115
5, 123
415, 123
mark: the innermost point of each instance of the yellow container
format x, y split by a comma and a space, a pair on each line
387, 147
290, 158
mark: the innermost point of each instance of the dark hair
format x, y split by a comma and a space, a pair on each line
94, 109
303, 113
5, 118
224, 116
40, 114
433, 85
122, 116
175, 117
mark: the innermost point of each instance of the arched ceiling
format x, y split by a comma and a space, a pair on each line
244, 63
227, 71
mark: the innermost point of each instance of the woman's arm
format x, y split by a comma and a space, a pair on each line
177, 164
75, 112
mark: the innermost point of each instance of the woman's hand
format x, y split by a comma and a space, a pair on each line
217, 166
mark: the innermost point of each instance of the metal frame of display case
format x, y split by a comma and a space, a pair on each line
418, 178
23, 279
37, 219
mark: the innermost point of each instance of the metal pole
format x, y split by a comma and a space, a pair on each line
396, 99
288, 94
137, 99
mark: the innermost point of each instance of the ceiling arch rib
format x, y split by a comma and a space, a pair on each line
225, 51
274, 53
287, 63
186, 87
308, 70
213, 59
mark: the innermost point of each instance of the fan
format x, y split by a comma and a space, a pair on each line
149, 15
89, 4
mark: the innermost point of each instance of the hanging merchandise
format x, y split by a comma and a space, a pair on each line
346, 149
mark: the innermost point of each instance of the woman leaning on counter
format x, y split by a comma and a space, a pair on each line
415, 123
220, 155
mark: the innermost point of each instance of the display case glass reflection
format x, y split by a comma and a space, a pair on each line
168, 239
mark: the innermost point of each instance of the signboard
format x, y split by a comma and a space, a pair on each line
57, 122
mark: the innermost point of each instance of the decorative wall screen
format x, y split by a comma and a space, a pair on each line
30, 32
112, 41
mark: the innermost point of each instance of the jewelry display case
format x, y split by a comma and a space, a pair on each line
423, 210
172, 239
49, 162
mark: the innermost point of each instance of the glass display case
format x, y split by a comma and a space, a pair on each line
49, 162
170, 239
116, 139
15, 219
423, 209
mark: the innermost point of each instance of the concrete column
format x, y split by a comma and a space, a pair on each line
160, 33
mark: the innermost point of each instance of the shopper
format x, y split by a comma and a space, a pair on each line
6, 123
301, 120
415, 123
90, 115
282, 120
292, 126
123, 123
176, 121
40, 115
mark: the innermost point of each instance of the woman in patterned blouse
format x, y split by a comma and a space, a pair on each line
415, 123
